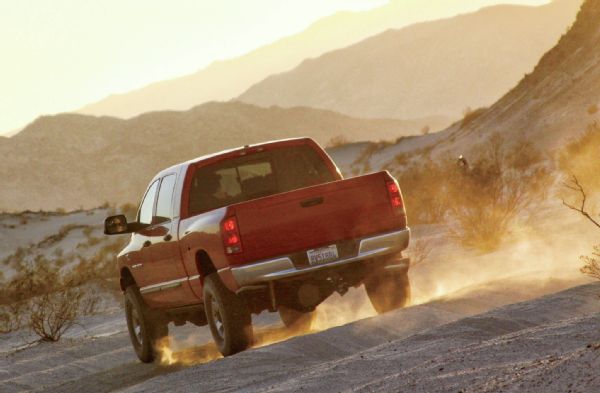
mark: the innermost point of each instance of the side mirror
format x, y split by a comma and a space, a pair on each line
116, 225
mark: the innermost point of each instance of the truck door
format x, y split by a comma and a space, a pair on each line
169, 285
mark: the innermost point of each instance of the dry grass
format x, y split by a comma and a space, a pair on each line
490, 194
44, 302
424, 185
337, 141
581, 158
591, 264
481, 199
419, 251
471, 115
580, 161
52, 314
41, 298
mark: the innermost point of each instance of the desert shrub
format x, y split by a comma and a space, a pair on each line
33, 278
337, 141
55, 312
57, 237
129, 210
425, 130
101, 269
87, 231
419, 251
424, 189
470, 115
580, 157
490, 193
40, 299
478, 199
92, 241
591, 264
364, 158
58, 252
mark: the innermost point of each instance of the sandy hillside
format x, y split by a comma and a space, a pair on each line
434, 68
551, 106
61, 239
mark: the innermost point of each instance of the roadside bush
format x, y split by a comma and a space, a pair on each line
579, 161
492, 191
591, 264
53, 313
48, 303
129, 210
425, 189
581, 157
43, 302
337, 141
470, 115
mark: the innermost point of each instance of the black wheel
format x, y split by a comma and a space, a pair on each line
295, 319
388, 291
144, 331
229, 320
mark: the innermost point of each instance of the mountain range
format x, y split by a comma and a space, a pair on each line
70, 160
436, 68
226, 79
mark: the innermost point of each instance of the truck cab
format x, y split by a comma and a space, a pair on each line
273, 227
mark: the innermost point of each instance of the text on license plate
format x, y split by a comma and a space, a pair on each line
322, 255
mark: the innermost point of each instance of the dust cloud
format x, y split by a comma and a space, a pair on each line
536, 253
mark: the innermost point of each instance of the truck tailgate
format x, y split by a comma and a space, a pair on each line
330, 213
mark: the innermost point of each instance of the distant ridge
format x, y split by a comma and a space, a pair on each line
225, 80
434, 68
71, 160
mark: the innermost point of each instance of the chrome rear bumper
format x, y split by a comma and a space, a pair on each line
280, 268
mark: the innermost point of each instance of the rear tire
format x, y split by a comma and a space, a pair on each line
228, 317
144, 329
296, 320
388, 291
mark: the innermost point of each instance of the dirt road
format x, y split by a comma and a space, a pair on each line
370, 351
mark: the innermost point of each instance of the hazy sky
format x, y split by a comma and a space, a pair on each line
58, 55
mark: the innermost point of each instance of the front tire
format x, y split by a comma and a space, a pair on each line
144, 331
229, 320
296, 320
388, 291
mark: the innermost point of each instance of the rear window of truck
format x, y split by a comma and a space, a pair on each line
256, 175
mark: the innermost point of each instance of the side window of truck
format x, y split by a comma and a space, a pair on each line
145, 214
164, 203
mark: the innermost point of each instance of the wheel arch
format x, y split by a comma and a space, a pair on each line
204, 265
126, 279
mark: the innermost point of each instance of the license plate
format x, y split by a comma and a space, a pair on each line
322, 255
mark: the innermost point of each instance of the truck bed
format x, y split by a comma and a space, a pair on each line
332, 213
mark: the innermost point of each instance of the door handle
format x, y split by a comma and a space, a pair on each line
147, 243
312, 202
168, 237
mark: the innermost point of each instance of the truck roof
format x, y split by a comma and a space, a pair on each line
227, 152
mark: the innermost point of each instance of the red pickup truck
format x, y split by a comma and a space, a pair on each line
272, 226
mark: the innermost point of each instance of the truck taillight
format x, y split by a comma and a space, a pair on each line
394, 194
231, 236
